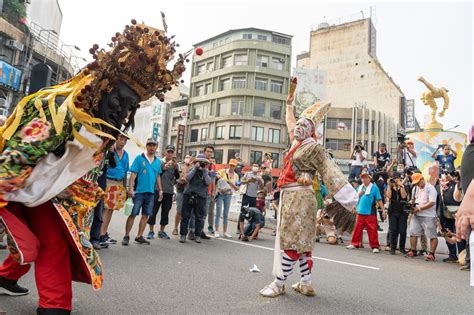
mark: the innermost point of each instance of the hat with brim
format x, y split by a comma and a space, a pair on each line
151, 141
365, 174
202, 158
233, 162
416, 178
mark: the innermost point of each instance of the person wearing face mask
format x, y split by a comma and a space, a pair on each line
253, 182
296, 222
62, 134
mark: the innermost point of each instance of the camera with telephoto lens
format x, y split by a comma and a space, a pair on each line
408, 207
402, 137
202, 164
358, 148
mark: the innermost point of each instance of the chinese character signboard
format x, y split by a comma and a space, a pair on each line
180, 142
409, 114
10, 76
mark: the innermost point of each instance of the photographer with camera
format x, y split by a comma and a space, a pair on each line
359, 155
195, 196
424, 197
450, 193
407, 154
255, 221
397, 198
445, 159
381, 157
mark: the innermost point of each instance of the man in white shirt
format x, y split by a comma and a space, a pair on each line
409, 154
359, 155
424, 215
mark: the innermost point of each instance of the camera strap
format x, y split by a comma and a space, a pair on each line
409, 156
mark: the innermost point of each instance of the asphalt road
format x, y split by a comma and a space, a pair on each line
214, 278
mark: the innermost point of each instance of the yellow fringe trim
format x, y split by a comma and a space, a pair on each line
70, 89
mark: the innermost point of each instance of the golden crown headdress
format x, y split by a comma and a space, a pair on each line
316, 112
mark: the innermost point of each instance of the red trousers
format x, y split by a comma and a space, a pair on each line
40, 235
370, 223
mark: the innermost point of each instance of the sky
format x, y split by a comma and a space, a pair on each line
432, 39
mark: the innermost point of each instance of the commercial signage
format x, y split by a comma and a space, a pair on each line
180, 142
10, 76
409, 114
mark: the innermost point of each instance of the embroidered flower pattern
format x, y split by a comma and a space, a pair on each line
35, 130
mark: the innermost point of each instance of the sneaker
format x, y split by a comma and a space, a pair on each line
210, 229
182, 239
375, 250
141, 240
340, 240
191, 236
466, 267
227, 235
11, 287
422, 252
163, 235
126, 240
109, 240
103, 245
351, 247
393, 251
3, 246
151, 235
175, 232
197, 239
245, 238
96, 245
204, 236
450, 260
217, 234
430, 257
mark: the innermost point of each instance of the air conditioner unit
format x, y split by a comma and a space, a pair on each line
14, 44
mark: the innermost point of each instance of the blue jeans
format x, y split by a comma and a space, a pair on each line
223, 200
143, 201
355, 172
250, 227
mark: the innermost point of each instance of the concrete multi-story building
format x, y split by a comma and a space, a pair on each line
355, 77
237, 95
367, 105
32, 55
152, 120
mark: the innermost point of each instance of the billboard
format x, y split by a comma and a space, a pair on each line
427, 142
180, 142
409, 115
10, 76
310, 89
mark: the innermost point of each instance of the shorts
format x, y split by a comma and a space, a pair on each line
179, 202
418, 225
115, 195
143, 201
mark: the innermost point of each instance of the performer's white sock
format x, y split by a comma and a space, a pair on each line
304, 269
287, 265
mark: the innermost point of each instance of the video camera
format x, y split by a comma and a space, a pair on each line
358, 147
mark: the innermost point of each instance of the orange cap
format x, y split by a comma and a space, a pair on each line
415, 178
233, 162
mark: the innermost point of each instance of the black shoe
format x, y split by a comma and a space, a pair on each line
109, 240
204, 236
182, 239
197, 240
191, 236
450, 260
126, 240
96, 245
11, 287
422, 252
392, 251
141, 240
52, 311
403, 251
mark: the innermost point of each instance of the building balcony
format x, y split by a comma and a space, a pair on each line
237, 142
246, 117
240, 69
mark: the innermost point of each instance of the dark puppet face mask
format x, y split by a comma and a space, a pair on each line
118, 108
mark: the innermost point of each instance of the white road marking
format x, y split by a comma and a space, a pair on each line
315, 257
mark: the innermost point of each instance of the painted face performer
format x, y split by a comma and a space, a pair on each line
52, 150
296, 223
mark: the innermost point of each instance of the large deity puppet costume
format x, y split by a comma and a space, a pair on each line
52, 151
296, 222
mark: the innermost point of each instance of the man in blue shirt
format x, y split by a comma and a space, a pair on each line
445, 159
366, 216
145, 169
115, 192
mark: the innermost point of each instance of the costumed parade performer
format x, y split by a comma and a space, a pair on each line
52, 150
296, 222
